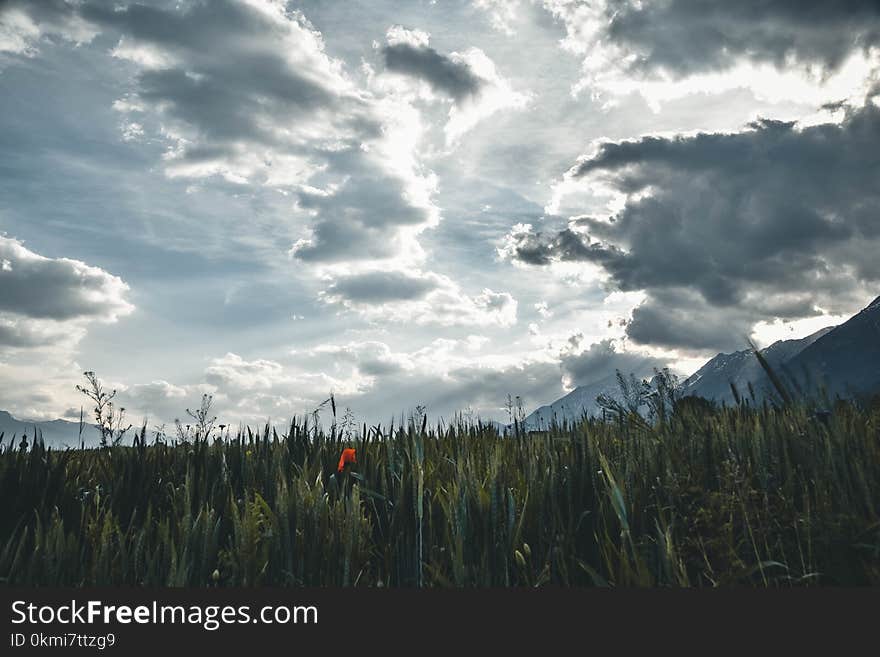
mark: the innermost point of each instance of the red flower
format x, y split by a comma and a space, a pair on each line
347, 457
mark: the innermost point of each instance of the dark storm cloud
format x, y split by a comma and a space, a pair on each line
691, 36
381, 287
362, 218
601, 359
768, 222
227, 71
59, 289
445, 75
53, 16
564, 246
249, 89
247, 92
683, 320
46, 11
225, 109
14, 334
225, 78
199, 28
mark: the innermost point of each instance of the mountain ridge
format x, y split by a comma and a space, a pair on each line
55, 433
839, 360
742, 370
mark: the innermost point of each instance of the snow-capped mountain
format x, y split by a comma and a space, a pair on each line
741, 368
580, 401
839, 360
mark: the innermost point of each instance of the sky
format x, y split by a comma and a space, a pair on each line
433, 204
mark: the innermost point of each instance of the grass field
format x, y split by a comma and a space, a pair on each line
700, 497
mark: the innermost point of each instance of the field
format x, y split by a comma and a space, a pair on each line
700, 496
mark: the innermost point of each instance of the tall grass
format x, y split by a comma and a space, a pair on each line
703, 497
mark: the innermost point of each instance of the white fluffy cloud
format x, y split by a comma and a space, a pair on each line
813, 52
246, 92
419, 297
23, 25
448, 375
469, 79
502, 14
46, 301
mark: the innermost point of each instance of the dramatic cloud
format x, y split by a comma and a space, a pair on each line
447, 376
469, 78
502, 14
57, 288
408, 53
232, 370
160, 400
270, 176
253, 390
683, 36
366, 216
420, 297
603, 358
245, 91
23, 24
47, 306
43, 300
683, 319
372, 358
369, 376
773, 47
381, 287
536, 248
22, 333
274, 87
723, 230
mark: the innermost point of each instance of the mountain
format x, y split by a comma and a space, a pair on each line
579, 401
713, 380
840, 361
845, 361
56, 433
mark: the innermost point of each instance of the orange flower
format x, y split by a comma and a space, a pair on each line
347, 457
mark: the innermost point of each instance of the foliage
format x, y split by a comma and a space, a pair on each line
108, 419
698, 496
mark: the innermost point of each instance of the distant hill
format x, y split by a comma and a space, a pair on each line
841, 360
580, 401
56, 433
846, 360
741, 368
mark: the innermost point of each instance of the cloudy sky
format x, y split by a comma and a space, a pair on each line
436, 203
